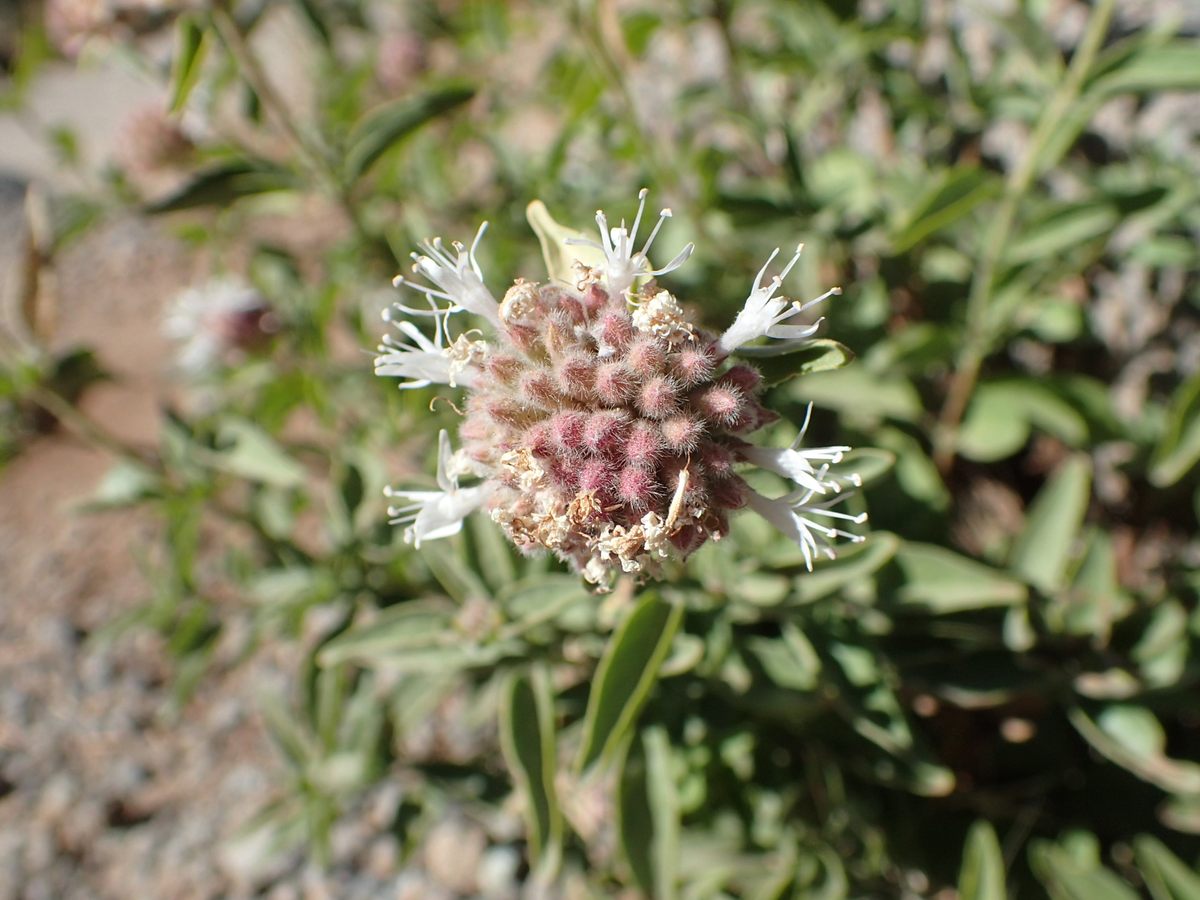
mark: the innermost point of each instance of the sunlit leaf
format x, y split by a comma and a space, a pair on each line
191, 48
1044, 547
625, 676
1179, 450
982, 873
947, 582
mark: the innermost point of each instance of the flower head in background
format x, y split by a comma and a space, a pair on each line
71, 24
151, 142
601, 424
216, 323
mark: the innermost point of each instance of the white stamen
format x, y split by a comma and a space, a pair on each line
763, 314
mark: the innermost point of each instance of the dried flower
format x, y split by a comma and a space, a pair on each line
602, 424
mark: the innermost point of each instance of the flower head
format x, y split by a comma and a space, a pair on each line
601, 423
216, 322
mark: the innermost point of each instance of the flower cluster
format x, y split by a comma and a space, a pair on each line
600, 423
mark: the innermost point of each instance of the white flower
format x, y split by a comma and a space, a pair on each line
423, 361
436, 514
793, 514
213, 320
764, 314
458, 278
809, 469
622, 265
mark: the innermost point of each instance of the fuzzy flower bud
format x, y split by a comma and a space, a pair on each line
646, 357
615, 383
722, 404
576, 375
659, 397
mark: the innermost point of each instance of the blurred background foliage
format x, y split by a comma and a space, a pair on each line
995, 696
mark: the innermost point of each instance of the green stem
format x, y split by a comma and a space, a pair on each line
976, 341
67, 415
314, 157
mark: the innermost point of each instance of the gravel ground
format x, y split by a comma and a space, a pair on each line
108, 789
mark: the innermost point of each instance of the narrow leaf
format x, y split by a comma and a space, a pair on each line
664, 812
527, 740
648, 815
779, 362
225, 182
982, 874
625, 676
1179, 450
1166, 875
1043, 550
192, 44
384, 127
956, 193
1173, 67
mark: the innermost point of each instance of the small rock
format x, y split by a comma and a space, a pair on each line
498, 873
383, 856
453, 852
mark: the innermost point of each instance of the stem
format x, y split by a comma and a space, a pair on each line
608, 45
976, 340
89, 431
312, 155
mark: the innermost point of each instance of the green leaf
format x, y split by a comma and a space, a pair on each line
778, 363
790, 660
946, 582
1067, 877
385, 126
994, 427
957, 192
850, 566
860, 395
1179, 450
1172, 67
635, 821
648, 815
559, 256
1166, 875
1043, 550
1182, 813
310, 12
1002, 412
1132, 737
627, 672
1095, 599
664, 811
1063, 229
250, 452
191, 47
415, 625
528, 742
982, 874
541, 599
124, 484
225, 182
